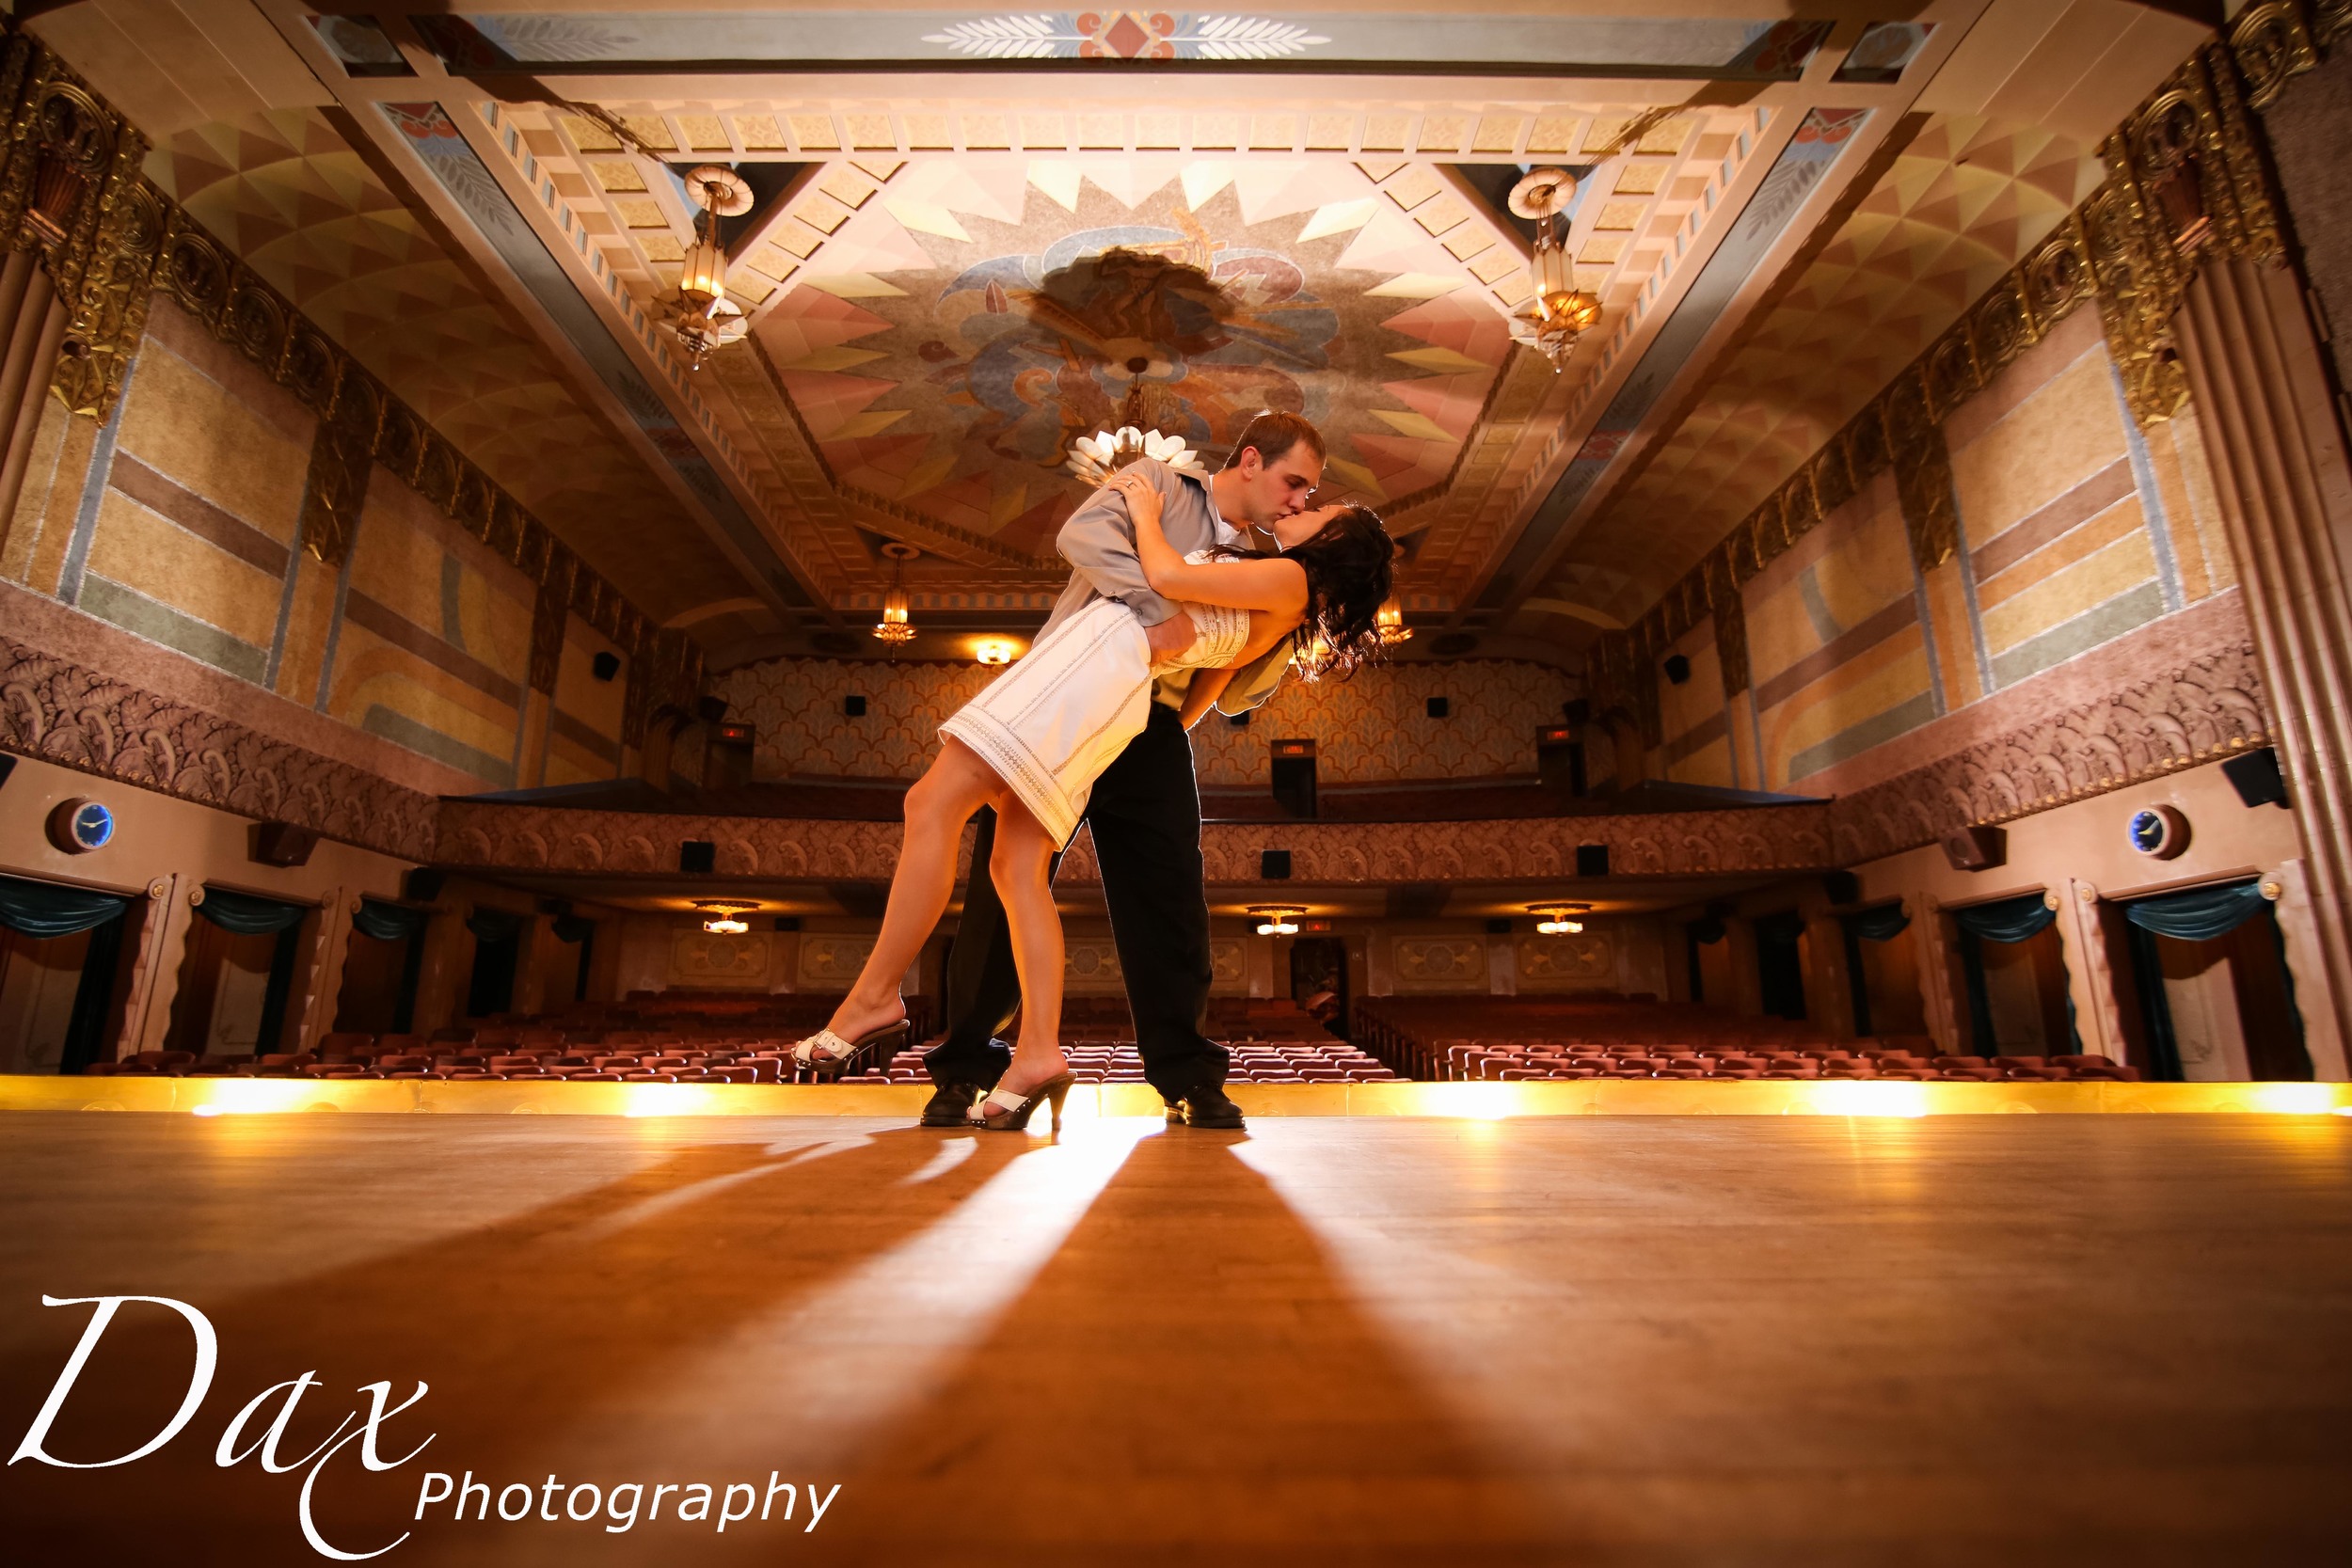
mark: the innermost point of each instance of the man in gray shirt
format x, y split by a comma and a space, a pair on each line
1145, 808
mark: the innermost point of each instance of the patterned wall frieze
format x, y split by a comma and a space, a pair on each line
2185, 180
76, 716
2207, 706
499, 836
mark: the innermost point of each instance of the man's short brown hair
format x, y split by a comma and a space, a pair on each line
1274, 433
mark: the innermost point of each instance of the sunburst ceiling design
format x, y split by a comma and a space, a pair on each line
972, 322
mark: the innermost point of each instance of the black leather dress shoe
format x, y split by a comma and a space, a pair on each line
1205, 1106
952, 1104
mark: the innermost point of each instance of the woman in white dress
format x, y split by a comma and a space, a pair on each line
1034, 742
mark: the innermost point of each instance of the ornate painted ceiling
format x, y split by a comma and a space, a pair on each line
982, 235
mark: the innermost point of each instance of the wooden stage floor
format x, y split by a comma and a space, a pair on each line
1810, 1340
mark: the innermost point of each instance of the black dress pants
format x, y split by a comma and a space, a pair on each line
1145, 816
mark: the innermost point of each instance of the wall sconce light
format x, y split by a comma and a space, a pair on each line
993, 651
1559, 920
723, 917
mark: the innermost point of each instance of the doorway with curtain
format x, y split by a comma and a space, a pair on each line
2214, 998
61, 962
1882, 969
2014, 969
497, 951
236, 978
1780, 955
381, 968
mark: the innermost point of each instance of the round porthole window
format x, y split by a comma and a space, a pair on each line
77, 826
2159, 832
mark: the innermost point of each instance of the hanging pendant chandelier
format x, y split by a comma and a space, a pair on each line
1559, 312
1094, 458
1390, 621
894, 627
704, 318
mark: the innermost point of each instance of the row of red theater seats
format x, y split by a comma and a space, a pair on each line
1588, 1063
684, 1065
1326, 1062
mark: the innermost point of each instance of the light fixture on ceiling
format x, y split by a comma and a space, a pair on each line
1390, 620
1558, 920
894, 628
992, 651
1559, 312
706, 318
723, 917
1094, 458
1277, 920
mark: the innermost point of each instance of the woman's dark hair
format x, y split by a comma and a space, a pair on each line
1349, 563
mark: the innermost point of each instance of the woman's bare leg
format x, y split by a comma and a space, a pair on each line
1021, 868
957, 784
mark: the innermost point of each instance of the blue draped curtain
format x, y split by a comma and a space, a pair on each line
494, 925
2199, 914
247, 914
1881, 923
45, 910
573, 927
388, 922
2007, 919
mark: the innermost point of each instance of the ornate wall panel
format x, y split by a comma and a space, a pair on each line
80, 718
2210, 705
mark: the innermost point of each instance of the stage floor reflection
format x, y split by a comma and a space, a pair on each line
1688, 1340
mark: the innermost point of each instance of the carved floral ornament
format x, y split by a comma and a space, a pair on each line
2185, 180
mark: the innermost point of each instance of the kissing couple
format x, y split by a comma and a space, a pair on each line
1187, 591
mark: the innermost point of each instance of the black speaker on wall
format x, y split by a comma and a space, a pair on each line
1273, 865
281, 844
2256, 778
1592, 859
697, 856
1977, 849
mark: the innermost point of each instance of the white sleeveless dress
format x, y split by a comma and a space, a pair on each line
1052, 722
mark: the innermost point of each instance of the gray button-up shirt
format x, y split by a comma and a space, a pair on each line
1098, 541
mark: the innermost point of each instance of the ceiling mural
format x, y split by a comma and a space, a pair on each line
981, 234
980, 321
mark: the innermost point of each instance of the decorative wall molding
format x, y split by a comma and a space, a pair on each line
76, 716
2208, 706
498, 836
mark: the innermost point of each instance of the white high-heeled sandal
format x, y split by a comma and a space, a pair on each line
837, 1052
